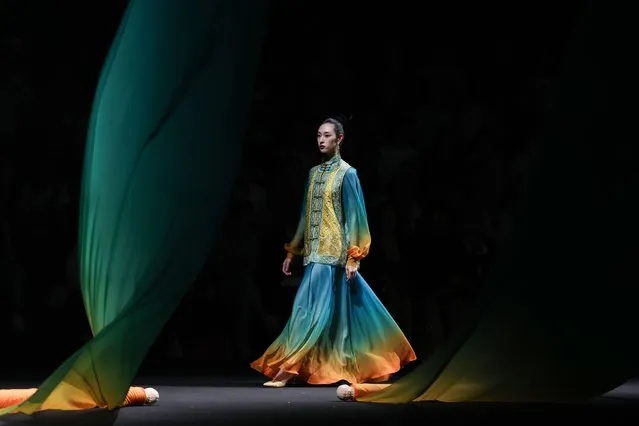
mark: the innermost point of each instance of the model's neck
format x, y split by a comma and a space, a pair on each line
327, 158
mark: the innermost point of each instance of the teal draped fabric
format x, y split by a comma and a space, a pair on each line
559, 319
168, 121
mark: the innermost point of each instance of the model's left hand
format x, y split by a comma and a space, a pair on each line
351, 271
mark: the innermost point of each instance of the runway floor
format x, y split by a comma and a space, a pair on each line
242, 400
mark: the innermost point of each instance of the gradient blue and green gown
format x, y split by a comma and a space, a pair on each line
338, 329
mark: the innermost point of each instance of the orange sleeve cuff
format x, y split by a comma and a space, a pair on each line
355, 253
292, 250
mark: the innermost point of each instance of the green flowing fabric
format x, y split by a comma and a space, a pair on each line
167, 125
559, 319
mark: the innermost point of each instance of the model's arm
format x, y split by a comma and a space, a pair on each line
296, 245
358, 234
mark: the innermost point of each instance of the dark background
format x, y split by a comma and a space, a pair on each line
445, 99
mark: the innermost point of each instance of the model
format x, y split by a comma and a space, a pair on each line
338, 329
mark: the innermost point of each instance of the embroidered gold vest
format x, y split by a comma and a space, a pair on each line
324, 236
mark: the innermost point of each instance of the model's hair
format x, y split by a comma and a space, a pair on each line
339, 127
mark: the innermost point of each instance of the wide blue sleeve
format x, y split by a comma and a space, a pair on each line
296, 245
358, 234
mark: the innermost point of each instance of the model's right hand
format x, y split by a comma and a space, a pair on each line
286, 266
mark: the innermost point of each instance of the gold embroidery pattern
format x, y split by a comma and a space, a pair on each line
325, 239
330, 235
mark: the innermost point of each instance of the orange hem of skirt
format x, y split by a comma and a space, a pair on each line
307, 377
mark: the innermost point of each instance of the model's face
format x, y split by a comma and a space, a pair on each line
327, 140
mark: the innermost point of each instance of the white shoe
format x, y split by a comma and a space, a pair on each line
152, 396
275, 384
345, 392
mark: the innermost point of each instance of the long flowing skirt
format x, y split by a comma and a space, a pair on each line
338, 330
